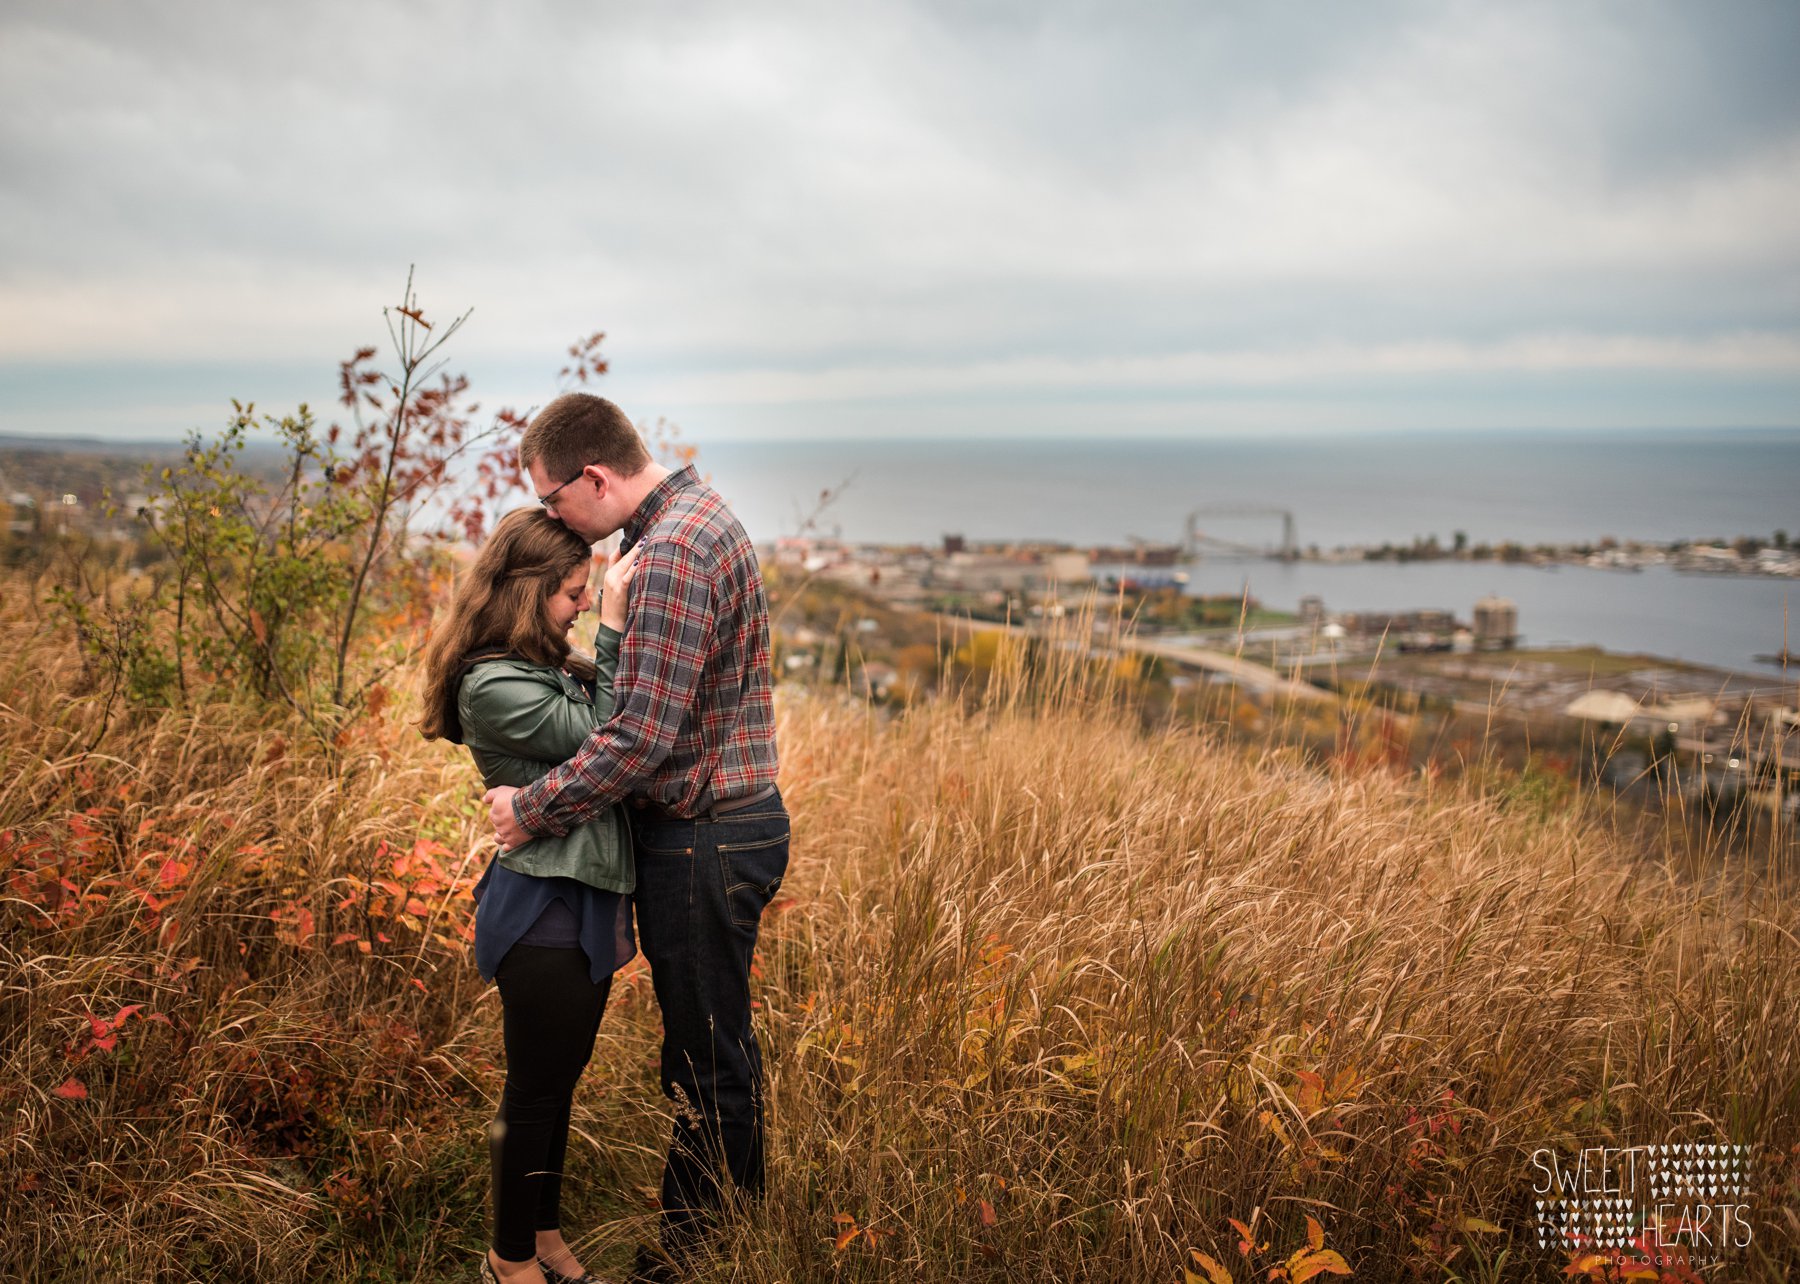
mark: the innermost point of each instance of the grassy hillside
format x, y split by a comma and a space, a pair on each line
1046, 997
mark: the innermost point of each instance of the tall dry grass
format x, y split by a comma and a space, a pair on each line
1045, 997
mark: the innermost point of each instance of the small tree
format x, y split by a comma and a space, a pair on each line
304, 583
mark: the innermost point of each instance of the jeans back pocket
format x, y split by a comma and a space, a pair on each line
752, 870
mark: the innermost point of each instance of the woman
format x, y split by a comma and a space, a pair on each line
552, 916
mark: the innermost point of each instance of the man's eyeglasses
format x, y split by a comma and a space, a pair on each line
549, 501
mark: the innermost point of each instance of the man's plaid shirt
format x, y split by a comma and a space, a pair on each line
694, 722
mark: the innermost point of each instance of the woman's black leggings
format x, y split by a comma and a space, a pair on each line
551, 1013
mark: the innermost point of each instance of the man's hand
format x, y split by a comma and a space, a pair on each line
500, 812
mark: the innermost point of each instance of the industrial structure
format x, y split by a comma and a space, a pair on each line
1496, 624
1197, 540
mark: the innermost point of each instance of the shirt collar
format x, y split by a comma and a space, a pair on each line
654, 503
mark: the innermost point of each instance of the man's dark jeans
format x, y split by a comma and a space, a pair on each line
701, 888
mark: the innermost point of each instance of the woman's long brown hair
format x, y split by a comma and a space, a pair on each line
502, 604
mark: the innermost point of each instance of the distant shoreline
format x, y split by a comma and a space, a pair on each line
1663, 433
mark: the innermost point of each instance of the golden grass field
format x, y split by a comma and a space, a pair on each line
1046, 997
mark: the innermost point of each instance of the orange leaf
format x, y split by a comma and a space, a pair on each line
987, 1214
70, 1090
1315, 1233
1312, 1090
1306, 1265
1215, 1273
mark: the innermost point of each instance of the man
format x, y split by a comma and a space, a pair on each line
691, 749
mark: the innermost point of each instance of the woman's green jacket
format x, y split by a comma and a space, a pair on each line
520, 720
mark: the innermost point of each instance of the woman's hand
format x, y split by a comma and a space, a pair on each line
614, 588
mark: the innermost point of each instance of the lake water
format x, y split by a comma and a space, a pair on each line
1723, 620
1528, 487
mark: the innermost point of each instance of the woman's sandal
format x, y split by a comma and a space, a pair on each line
554, 1276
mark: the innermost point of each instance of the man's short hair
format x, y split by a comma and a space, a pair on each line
578, 429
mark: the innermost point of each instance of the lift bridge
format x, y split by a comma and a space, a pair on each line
1198, 542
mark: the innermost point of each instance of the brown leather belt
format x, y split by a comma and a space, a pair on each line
660, 812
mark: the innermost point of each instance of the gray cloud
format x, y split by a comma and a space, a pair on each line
796, 195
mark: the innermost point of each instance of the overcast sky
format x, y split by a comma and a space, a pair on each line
930, 218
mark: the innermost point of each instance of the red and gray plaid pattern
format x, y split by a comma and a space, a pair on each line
693, 722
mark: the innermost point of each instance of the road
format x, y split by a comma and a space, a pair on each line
1247, 673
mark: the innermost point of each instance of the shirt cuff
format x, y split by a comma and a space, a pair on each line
531, 817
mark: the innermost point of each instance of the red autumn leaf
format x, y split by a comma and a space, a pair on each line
70, 1089
987, 1214
1246, 1241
